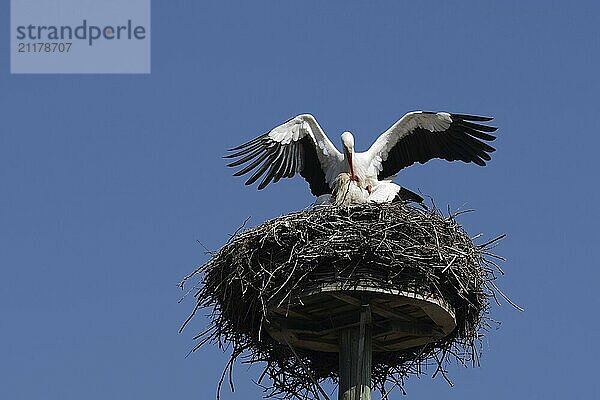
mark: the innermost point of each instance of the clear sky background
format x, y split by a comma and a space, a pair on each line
106, 182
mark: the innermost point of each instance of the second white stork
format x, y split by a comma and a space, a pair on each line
300, 146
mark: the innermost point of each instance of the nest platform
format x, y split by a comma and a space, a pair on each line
289, 293
400, 320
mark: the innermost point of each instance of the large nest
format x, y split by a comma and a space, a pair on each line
393, 245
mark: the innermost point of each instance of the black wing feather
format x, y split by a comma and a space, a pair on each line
246, 150
285, 159
311, 168
466, 117
246, 158
261, 170
250, 143
274, 167
255, 162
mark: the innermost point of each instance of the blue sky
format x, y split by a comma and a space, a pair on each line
107, 181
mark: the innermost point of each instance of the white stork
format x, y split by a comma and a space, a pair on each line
300, 146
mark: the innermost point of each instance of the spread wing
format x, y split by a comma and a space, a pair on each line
420, 136
298, 145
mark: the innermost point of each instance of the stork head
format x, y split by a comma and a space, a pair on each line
348, 142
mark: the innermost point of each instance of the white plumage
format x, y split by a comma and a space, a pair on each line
347, 192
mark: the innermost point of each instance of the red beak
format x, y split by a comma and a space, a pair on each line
352, 176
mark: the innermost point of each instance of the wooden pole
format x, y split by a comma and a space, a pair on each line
355, 360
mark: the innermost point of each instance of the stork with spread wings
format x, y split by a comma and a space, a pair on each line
300, 146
